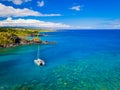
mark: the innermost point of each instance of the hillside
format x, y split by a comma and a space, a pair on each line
10, 37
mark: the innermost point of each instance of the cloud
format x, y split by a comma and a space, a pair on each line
31, 23
9, 11
84, 24
99, 23
18, 2
76, 8
40, 4
115, 23
108, 24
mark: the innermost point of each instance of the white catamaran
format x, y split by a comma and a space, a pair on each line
39, 61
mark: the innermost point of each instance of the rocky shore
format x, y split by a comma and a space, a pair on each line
12, 37
27, 42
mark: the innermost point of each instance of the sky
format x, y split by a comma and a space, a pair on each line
61, 14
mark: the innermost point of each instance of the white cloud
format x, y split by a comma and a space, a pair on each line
9, 11
76, 8
115, 23
31, 23
18, 2
99, 23
41, 4
84, 24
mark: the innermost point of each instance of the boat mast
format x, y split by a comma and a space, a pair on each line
38, 52
38, 49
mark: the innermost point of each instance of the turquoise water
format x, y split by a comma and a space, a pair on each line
81, 60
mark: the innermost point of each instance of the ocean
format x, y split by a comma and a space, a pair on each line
80, 60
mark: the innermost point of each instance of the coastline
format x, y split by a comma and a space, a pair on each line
13, 37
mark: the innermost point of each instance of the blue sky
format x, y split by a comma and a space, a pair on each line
77, 14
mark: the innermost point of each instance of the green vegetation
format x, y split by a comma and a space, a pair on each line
17, 36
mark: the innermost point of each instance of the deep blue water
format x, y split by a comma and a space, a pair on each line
81, 60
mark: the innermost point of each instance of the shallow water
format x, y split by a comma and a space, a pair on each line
81, 60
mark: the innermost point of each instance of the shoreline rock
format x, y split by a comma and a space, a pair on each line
29, 43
